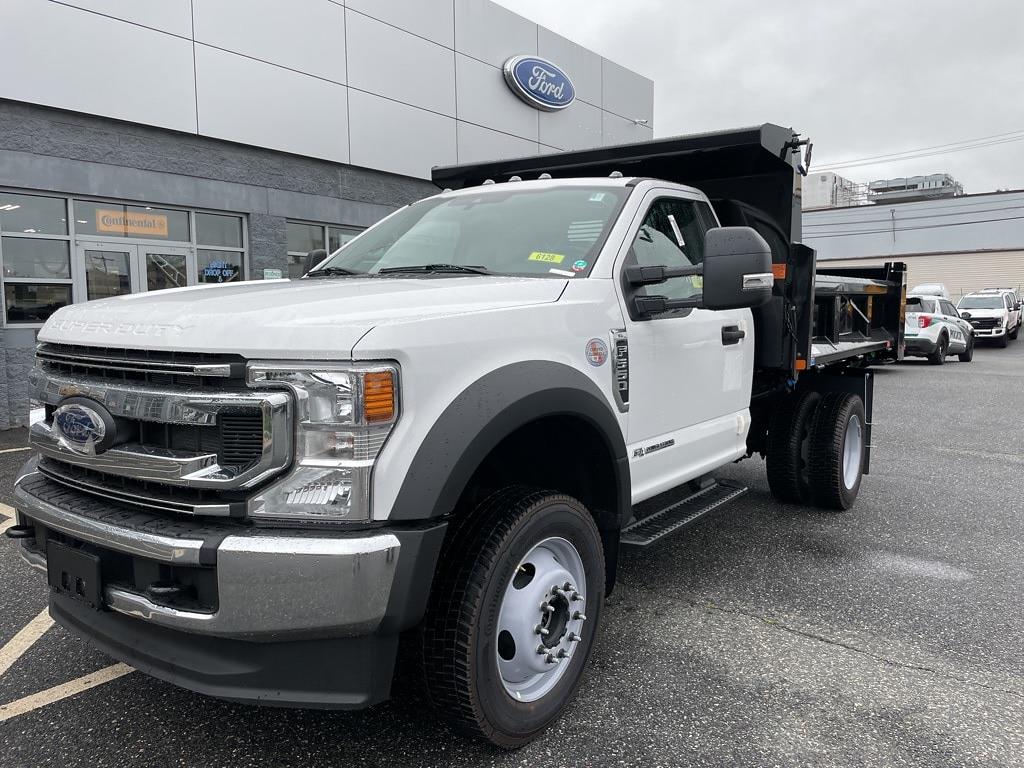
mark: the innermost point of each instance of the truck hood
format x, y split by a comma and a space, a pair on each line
979, 313
304, 319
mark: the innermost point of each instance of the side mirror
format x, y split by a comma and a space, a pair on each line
737, 269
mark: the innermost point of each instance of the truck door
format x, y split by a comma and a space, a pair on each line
690, 370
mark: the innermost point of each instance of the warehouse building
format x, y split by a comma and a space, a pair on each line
151, 145
967, 242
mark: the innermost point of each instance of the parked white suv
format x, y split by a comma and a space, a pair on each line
934, 329
994, 313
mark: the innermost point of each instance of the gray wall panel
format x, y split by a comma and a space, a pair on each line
307, 36
95, 64
484, 99
576, 127
626, 93
432, 19
618, 130
414, 71
476, 144
399, 138
306, 115
582, 66
173, 16
488, 32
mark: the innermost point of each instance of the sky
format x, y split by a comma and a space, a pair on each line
862, 78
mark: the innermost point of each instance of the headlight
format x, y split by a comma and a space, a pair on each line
344, 415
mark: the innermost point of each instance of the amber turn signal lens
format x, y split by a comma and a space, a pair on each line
378, 396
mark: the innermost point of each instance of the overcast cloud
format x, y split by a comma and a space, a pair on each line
862, 78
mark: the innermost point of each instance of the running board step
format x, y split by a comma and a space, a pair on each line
679, 513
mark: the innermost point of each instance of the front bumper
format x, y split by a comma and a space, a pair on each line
281, 600
990, 333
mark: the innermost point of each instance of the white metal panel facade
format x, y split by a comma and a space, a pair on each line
285, 75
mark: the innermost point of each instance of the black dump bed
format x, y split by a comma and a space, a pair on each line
751, 176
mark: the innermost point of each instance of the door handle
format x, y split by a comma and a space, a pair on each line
731, 334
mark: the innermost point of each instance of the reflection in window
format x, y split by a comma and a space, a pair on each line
29, 303
36, 257
216, 229
107, 273
165, 271
135, 221
303, 238
33, 214
219, 266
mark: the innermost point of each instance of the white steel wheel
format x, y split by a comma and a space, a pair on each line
853, 451
541, 619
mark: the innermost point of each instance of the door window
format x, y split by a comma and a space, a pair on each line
672, 235
107, 273
166, 270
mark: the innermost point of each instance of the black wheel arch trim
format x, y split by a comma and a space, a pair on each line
489, 410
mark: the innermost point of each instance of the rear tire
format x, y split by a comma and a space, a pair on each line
938, 357
786, 447
836, 450
968, 354
479, 635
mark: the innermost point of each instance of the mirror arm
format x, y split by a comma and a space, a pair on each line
638, 275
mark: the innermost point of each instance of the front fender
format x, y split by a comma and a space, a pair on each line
489, 410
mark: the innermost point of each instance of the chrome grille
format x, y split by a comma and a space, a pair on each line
227, 440
155, 367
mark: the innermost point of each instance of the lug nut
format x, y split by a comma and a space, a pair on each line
562, 653
547, 608
541, 650
573, 637
568, 587
539, 630
551, 659
580, 616
575, 596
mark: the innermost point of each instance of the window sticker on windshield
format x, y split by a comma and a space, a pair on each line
562, 272
550, 258
579, 266
597, 197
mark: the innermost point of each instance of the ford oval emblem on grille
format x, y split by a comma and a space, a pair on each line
81, 427
539, 83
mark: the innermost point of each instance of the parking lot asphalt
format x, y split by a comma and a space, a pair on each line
771, 635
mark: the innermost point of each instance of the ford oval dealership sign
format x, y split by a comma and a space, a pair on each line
539, 83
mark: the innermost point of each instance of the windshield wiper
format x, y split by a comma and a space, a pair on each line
458, 268
329, 271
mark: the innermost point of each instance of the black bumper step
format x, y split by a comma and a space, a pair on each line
647, 530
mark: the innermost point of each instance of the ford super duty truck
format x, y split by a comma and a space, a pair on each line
449, 429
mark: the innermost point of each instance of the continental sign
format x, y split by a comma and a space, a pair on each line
119, 222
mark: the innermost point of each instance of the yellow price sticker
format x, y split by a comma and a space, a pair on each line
550, 258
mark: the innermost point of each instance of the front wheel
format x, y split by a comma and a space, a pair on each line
513, 615
1014, 333
1003, 341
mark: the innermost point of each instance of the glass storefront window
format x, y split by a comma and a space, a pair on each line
165, 270
107, 273
216, 229
338, 236
219, 266
36, 257
303, 238
29, 303
133, 221
33, 214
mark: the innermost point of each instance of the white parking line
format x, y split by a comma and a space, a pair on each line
8, 512
22, 641
58, 692
15, 450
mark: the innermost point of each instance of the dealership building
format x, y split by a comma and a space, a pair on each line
150, 145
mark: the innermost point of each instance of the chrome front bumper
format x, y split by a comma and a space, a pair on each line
270, 586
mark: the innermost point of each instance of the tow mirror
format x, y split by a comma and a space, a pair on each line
736, 273
737, 269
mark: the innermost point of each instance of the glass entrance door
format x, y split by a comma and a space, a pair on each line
163, 267
113, 269
108, 270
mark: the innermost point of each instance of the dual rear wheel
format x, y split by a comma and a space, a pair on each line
815, 449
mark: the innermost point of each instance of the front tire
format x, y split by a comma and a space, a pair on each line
1014, 333
1002, 342
513, 615
836, 452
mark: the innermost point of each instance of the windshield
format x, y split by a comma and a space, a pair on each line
555, 231
981, 302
